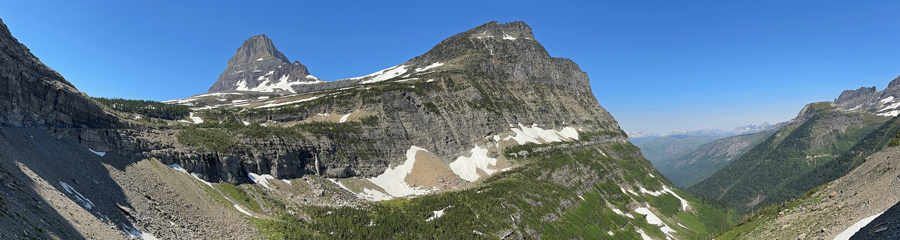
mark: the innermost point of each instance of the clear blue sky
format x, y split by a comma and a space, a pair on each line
655, 65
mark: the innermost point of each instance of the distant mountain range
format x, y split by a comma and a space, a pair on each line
638, 135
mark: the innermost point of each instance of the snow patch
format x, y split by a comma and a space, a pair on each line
652, 219
508, 37
193, 174
437, 214
261, 179
241, 86
582, 198
534, 134
467, 167
178, 168
430, 66
197, 120
263, 98
96, 152
344, 118
238, 207
890, 107
617, 211
684, 203
374, 195
260, 59
887, 99
83, 200
385, 74
850, 231
893, 113
644, 236
393, 180
287, 103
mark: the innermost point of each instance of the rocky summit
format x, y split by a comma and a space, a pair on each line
258, 66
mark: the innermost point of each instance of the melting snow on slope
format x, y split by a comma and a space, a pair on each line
644, 236
197, 120
385, 74
892, 113
430, 66
846, 234
887, 99
617, 211
261, 179
238, 207
684, 203
287, 103
437, 214
84, 201
241, 86
344, 118
96, 152
393, 180
467, 167
652, 219
534, 134
374, 195
508, 37
178, 168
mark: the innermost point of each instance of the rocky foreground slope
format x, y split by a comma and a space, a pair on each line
484, 136
832, 209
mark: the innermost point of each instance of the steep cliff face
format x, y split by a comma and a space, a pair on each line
258, 66
36, 96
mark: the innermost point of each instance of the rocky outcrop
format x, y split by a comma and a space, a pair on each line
869, 99
36, 96
258, 66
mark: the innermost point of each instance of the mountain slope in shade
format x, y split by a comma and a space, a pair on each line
36, 96
258, 66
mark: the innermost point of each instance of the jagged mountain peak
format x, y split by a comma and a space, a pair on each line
894, 82
259, 67
256, 48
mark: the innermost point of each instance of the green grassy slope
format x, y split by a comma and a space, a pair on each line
542, 198
797, 158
